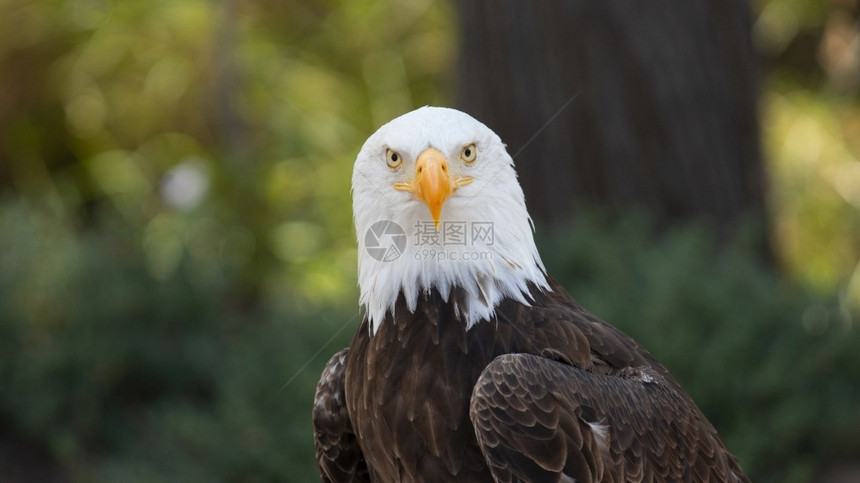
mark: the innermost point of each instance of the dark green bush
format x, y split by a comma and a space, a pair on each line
120, 377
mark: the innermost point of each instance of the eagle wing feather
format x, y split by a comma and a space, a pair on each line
538, 419
338, 453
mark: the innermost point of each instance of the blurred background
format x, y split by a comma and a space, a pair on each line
177, 257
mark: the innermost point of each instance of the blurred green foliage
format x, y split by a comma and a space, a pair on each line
123, 377
177, 258
811, 133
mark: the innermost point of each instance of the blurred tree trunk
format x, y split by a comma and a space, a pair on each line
620, 104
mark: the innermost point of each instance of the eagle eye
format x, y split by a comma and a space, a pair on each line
469, 153
393, 159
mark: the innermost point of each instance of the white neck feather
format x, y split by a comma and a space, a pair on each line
488, 270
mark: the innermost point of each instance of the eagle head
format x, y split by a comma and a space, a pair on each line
437, 205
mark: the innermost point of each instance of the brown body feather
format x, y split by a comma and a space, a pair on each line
545, 392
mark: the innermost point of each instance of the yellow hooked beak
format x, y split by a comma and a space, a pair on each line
433, 183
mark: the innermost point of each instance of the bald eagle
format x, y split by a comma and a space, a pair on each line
471, 363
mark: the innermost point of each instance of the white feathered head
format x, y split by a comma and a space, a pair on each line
437, 204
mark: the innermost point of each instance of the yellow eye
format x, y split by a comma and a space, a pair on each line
393, 159
469, 154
